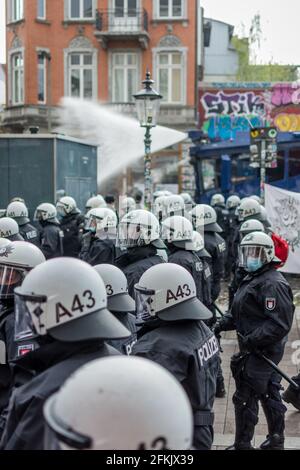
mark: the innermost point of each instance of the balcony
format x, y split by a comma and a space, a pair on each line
120, 25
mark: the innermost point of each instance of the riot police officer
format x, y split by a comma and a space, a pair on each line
71, 223
99, 243
232, 204
139, 234
9, 229
177, 233
51, 235
95, 202
206, 272
68, 316
135, 392
174, 335
262, 313
218, 203
205, 218
174, 205
119, 303
19, 212
16, 260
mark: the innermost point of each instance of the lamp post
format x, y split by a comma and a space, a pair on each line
147, 106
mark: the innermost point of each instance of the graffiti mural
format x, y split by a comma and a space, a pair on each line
226, 110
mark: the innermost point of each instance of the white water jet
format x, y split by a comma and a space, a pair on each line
120, 138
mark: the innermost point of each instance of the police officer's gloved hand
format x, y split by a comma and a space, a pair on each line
217, 328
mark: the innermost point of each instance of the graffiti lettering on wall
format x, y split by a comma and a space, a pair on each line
224, 111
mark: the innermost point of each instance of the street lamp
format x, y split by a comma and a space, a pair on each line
147, 106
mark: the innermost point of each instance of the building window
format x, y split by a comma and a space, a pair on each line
81, 9
124, 76
16, 9
81, 75
41, 9
41, 79
170, 9
170, 82
17, 66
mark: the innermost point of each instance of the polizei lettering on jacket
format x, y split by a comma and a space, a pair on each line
209, 349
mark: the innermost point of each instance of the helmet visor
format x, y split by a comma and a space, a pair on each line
10, 277
57, 431
61, 209
30, 313
252, 256
145, 304
130, 235
39, 215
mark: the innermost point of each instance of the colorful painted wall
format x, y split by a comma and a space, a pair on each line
227, 108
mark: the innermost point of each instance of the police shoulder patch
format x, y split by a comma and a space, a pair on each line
270, 303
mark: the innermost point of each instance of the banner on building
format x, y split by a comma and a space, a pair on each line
283, 208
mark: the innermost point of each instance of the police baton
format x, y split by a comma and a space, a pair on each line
274, 366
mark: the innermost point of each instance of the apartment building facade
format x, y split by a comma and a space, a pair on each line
99, 50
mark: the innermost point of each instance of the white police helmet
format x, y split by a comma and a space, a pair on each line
249, 209
256, 250
16, 260
251, 225
66, 205
95, 202
97, 403
217, 200
127, 204
256, 198
4, 242
45, 212
179, 231
174, 205
18, 211
139, 228
205, 217
103, 222
66, 299
159, 207
233, 202
199, 245
9, 229
118, 299
168, 291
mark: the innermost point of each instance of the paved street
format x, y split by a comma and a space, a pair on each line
224, 413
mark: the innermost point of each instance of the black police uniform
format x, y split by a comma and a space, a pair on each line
97, 251
216, 246
71, 225
53, 363
233, 225
30, 234
191, 262
135, 262
207, 278
262, 312
51, 239
125, 345
222, 219
189, 350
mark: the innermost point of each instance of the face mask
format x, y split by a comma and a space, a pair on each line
253, 264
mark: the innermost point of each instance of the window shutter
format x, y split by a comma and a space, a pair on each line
67, 9
9, 11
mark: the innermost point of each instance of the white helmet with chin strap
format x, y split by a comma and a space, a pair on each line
249, 209
174, 205
167, 291
16, 260
233, 202
159, 207
139, 228
93, 408
256, 198
251, 225
256, 250
179, 231
95, 202
217, 200
4, 242
9, 229
204, 217
66, 205
45, 212
103, 222
19, 212
127, 204
118, 299
65, 299
199, 245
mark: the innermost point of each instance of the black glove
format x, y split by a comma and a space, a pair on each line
217, 328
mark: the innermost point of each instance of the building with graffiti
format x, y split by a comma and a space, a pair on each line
227, 108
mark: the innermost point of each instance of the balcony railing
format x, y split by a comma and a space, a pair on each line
121, 21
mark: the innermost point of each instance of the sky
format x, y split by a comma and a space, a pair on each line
279, 21
280, 25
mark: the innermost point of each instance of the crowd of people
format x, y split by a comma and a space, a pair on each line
110, 336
